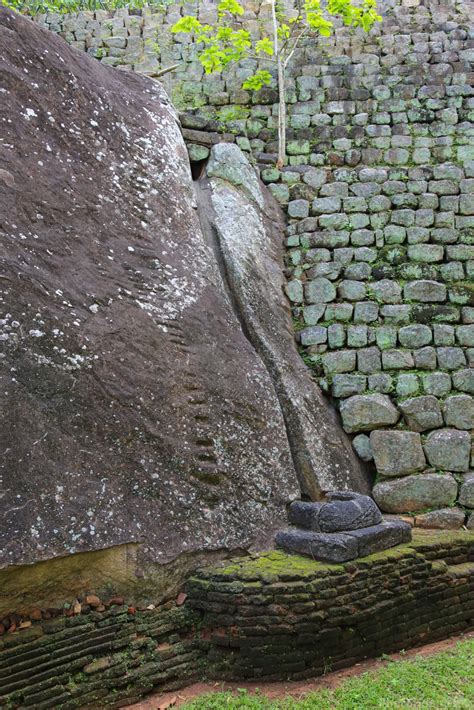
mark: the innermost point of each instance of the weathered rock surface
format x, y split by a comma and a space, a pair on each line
135, 409
397, 453
417, 492
245, 227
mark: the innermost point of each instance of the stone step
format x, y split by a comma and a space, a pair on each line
346, 545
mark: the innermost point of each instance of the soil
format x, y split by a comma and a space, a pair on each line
291, 688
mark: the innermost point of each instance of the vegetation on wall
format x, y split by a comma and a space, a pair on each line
221, 44
33, 7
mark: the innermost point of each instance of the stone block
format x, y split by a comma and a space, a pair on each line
458, 411
438, 383
368, 360
386, 337
415, 336
448, 449
367, 412
352, 290
397, 453
298, 208
365, 312
326, 205
336, 335
425, 291
339, 311
359, 271
426, 253
339, 362
381, 537
334, 548
422, 413
386, 291
397, 360
450, 358
466, 492
381, 382
407, 384
444, 519
312, 314
320, 290
357, 336
465, 335
314, 335
361, 444
464, 380
395, 314
443, 334
425, 358
197, 152
294, 291
348, 385
416, 493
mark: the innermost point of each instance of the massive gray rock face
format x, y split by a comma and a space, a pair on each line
135, 409
245, 226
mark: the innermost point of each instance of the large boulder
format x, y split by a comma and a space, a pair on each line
135, 408
245, 227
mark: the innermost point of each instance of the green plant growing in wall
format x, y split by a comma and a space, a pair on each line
223, 43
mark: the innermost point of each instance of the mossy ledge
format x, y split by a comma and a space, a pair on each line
270, 616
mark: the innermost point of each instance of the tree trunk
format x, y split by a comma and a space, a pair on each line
281, 115
281, 91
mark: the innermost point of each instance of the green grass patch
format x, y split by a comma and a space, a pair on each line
444, 680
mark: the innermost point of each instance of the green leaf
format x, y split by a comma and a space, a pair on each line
264, 45
258, 80
187, 24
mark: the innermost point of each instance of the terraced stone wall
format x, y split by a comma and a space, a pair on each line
270, 617
379, 193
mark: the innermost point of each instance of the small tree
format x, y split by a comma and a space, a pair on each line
222, 44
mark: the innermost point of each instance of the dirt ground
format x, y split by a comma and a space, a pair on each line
290, 688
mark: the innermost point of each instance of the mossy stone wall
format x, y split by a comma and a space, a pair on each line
271, 617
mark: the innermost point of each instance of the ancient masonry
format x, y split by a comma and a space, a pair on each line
273, 617
379, 198
379, 194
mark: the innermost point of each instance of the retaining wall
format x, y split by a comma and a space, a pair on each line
271, 617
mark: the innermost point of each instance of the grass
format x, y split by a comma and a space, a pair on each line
442, 681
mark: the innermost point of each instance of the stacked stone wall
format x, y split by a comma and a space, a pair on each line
271, 617
379, 193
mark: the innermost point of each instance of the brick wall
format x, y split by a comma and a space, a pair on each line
272, 617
